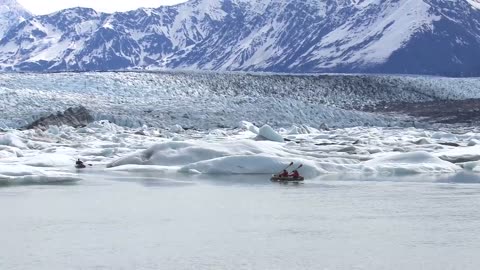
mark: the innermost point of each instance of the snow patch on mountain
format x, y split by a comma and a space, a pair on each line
373, 41
474, 3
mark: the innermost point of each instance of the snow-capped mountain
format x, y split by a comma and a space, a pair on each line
11, 14
381, 36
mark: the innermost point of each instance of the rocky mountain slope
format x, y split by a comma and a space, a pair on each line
440, 37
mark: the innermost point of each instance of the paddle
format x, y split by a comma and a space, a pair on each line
298, 175
291, 163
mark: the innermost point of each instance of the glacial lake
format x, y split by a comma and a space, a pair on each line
139, 221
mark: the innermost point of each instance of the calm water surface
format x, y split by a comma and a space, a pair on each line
142, 222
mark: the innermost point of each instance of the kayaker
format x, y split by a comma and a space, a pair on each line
295, 174
284, 174
79, 163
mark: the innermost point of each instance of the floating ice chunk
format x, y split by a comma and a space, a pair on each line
409, 163
86, 130
10, 139
473, 142
249, 126
463, 154
22, 170
422, 141
11, 151
294, 130
18, 170
50, 160
171, 153
310, 130
105, 126
445, 136
177, 129
217, 133
348, 149
15, 174
258, 164
7, 154
53, 130
472, 166
183, 153
374, 150
303, 129
323, 136
268, 133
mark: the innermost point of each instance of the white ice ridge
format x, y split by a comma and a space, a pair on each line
208, 100
18, 174
46, 157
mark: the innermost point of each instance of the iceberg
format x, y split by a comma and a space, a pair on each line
409, 163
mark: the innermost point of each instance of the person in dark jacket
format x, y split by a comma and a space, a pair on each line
284, 174
79, 163
295, 174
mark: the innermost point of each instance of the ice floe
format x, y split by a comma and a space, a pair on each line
252, 164
174, 153
36, 157
50, 160
267, 132
461, 154
410, 163
17, 174
10, 139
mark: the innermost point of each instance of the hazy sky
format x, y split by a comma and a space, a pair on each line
40, 7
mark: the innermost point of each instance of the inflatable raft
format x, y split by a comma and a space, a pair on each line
276, 178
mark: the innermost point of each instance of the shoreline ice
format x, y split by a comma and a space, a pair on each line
208, 123
48, 156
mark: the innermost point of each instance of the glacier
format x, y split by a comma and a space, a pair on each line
204, 100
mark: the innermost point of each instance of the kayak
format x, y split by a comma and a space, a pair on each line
80, 166
276, 178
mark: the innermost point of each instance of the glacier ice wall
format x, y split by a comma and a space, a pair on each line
210, 100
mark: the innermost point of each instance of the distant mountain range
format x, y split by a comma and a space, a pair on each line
437, 37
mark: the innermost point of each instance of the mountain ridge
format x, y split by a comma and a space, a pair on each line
434, 37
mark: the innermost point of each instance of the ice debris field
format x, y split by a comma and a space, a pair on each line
45, 157
212, 100
177, 124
